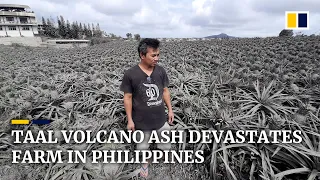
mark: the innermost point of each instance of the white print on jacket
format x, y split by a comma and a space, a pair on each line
153, 93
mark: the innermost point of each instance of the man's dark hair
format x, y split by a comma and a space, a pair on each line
147, 42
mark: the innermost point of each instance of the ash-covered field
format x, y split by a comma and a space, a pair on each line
236, 84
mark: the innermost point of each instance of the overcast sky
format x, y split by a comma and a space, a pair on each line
179, 18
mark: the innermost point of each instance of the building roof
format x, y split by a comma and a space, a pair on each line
15, 6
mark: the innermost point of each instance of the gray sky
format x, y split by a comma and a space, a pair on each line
179, 18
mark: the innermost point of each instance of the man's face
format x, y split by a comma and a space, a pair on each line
152, 56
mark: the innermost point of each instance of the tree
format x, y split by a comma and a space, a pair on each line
81, 30
68, 30
74, 31
137, 37
59, 25
286, 33
62, 27
113, 36
89, 33
97, 32
129, 35
51, 30
77, 30
85, 30
98, 27
45, 27
93, 30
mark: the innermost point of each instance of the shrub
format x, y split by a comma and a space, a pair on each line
286, 33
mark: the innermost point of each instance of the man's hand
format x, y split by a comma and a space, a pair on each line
171, 117
130, 125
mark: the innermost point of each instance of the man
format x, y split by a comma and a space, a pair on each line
145, 88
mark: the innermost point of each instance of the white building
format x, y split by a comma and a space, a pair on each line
17, 21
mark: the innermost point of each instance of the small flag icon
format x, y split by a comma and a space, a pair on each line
297, 20
41, 121
27, 121
20, 121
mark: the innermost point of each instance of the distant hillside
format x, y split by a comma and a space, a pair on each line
222, 35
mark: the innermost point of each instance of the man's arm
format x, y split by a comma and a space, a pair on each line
126, 87
167, 100
128, 107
